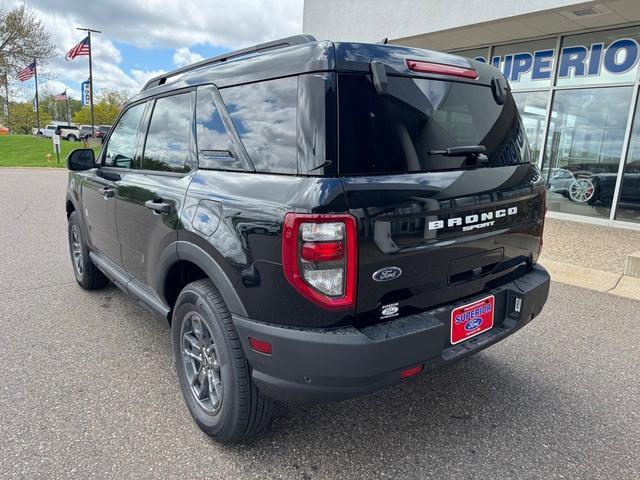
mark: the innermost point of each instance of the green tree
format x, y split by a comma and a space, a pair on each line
22, 37
57, 109
23, 118
106, 109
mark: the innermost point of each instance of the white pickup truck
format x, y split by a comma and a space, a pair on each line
66, 132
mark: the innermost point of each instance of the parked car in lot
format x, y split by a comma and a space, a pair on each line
102, 130
70, 133
85, 132
314, 220
47, 131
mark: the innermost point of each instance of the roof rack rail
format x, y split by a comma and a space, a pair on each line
261, 47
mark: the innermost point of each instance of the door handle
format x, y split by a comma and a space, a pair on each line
108, 192
158, 206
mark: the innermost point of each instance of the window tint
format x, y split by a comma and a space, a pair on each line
215, 149
397, 132
264, 115
168, 139
122, 143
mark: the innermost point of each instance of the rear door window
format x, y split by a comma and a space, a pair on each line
396, 133
264, 115
168, 144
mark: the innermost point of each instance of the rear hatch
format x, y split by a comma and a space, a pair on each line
435, 226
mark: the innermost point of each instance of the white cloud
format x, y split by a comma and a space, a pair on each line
183, 56
155, 23
54, 87
172, 24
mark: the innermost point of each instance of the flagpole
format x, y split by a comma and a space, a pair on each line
89, 30
6, 91
35, 74
68, 108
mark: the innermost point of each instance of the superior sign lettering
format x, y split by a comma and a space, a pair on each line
619, 57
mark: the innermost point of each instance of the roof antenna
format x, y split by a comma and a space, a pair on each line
384, 40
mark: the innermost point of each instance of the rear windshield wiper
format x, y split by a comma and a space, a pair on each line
471, 150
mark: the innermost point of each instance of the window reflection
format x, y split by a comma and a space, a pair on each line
122, 143
629, 200
533, 110
215, 149
584, 144
167, 145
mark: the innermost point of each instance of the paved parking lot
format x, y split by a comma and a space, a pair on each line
87, 387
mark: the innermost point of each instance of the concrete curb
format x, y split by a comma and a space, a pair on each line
593, 279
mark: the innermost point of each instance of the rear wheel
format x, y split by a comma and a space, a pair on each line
71, 137
87, 274
212, 369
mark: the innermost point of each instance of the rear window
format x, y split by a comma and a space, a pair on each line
395, 133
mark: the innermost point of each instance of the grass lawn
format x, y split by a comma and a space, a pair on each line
31, 151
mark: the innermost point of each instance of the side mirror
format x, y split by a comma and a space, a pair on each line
81, 159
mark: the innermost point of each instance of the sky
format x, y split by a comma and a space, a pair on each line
144, 38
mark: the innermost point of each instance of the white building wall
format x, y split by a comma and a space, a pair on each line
372, 20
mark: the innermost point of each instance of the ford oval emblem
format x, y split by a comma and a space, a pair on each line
389, 311
473, 324
387, 273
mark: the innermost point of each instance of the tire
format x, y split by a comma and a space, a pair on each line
230, 408
71, 137
87, 274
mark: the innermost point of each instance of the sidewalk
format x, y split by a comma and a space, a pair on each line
590, 256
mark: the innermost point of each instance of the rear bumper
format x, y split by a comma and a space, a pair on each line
316, 365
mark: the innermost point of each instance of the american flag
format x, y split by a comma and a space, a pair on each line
81, 48
27, 72
61, 96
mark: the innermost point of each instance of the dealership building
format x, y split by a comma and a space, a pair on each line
573, 67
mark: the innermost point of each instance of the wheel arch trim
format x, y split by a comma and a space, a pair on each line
182, 250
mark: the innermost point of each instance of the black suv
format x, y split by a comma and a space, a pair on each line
315, 220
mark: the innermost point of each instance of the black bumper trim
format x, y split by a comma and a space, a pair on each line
316, 365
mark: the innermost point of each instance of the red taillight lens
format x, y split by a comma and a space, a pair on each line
441, 69
319, 257
322, 252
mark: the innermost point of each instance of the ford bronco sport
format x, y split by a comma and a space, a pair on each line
314, 220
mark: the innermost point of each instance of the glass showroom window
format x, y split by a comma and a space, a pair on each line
533, 110
629, 199
583, 148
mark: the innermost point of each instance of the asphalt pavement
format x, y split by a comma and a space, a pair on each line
88, 389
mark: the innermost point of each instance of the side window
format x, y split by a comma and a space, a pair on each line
264, 115
122, 143
215, 148
167, 147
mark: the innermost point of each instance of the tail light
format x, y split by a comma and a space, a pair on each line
441, 69
319, 257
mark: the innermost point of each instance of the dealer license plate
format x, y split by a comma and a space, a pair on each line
473, 319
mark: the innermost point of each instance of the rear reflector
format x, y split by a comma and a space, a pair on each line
441, 69
412, 371
260, 346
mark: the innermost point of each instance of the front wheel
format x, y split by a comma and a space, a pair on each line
213, 372
71, 137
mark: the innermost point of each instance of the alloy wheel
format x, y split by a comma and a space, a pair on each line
201, 364
76, 249
581, 190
